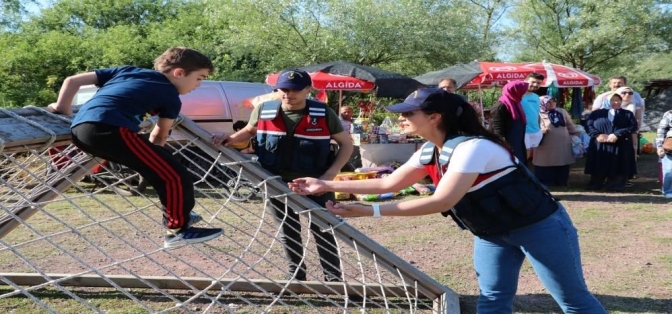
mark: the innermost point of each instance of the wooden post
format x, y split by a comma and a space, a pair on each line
201, 283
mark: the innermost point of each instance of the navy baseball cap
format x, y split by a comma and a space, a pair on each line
430, 99
293, 79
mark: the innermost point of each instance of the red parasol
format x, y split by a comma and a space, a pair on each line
499, 73
328, 81
254, 101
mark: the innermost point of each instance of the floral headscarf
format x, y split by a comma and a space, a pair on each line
555, 116
544, 100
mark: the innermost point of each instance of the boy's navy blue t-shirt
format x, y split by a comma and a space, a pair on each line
128, 95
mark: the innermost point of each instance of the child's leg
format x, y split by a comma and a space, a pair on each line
171, 181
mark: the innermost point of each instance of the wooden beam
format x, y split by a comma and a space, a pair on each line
173, 283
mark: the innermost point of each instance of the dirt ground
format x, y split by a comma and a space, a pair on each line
626, 242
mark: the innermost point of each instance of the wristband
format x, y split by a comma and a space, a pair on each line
376, 210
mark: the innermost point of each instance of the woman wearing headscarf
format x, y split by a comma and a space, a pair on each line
630, 104
554, 154
611, 156
507, 118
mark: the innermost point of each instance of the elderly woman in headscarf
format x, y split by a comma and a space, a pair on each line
507, 118
631, 105
611, 156
552, 158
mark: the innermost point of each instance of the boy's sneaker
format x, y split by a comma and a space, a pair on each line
299, 277
194, 218
191, 235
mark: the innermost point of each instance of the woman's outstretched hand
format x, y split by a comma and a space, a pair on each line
307, 186
349, 210
220, 138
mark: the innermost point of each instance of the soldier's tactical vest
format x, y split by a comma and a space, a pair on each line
498, 201
306, 151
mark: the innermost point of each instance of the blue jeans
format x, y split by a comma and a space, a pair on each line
552, 247
667, 176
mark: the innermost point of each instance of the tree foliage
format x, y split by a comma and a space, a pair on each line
247, 39
11, 12
405, 36
487, 14
587, 34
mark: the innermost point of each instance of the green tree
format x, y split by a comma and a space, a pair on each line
487, 14
11, 13
411, 37
642, 68
587, 34
45, 49
76, 15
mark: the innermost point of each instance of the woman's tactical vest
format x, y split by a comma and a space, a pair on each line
498, 201
306, 151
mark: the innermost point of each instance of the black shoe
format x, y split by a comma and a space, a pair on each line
332, 278
191, 235
194, 218
299, 277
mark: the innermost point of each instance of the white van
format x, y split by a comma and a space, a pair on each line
214, 106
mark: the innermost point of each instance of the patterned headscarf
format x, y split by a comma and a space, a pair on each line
555, 116
544, 100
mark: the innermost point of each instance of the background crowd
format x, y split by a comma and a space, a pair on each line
541, 133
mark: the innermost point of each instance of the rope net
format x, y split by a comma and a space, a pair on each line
77, 231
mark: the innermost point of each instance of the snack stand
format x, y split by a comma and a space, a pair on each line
373, 155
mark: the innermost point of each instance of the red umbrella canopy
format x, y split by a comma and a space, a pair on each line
252, 102
499, 73
328, 81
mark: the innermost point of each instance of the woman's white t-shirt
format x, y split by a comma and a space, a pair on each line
473, 156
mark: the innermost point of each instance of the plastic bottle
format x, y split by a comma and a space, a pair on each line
422, 190
407, 191
367, 197
374, 197
386, 196
382, 129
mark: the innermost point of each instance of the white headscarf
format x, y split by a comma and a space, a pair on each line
631, 104
626, 89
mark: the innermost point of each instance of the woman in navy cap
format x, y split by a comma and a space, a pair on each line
484, 189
